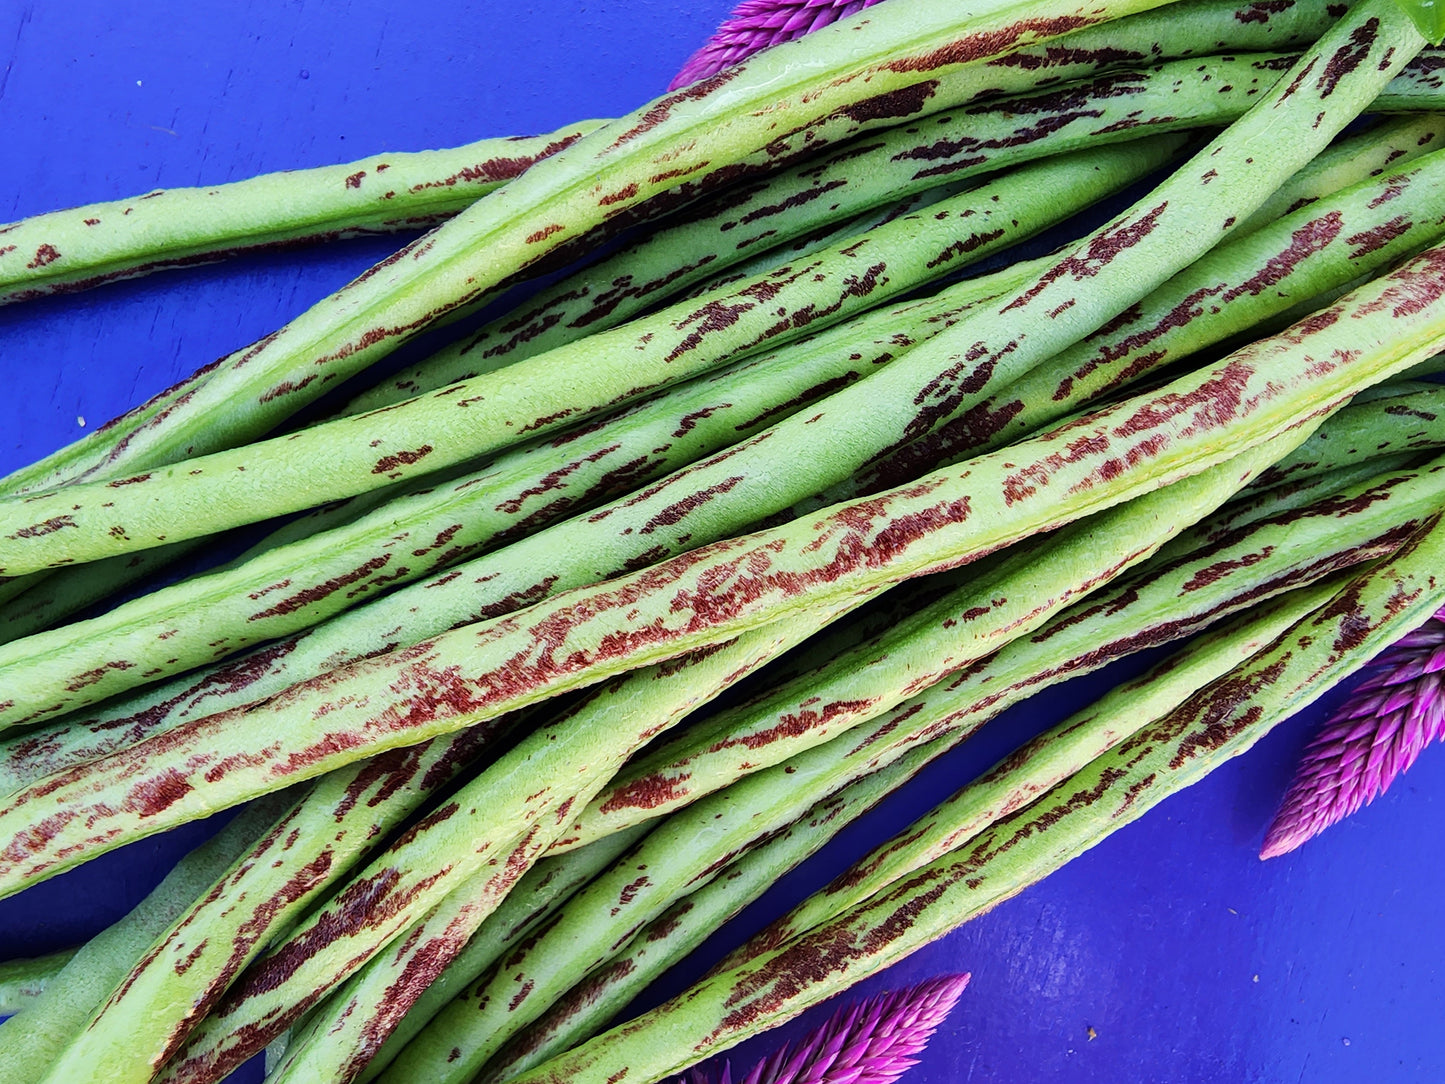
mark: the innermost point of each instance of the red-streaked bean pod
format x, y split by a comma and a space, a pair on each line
1117, 788
91, 520
1044, 762
22, 981
1413, 421
716, 592
984, 607
181, 227
31, 1041
309, 848
544, 888
465, 857
1204, 573
588, 1006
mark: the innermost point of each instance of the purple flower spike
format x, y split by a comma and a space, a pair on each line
868, 1043
756, 24
1386, 723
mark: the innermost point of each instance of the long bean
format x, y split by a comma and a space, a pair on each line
1413, 421
1386, 145
992, 604
585, 1009
82, 247
30, 1041
493, 829
475, 1024
1197, 577
561, 874
715, 592
23, 981
1112, 791
760, 114
312, 845
951, 146
368, 451
1044, 762
544, 888
354, 1027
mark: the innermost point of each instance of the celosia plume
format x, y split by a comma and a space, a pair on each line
1386, 723
872, 1042
756, 24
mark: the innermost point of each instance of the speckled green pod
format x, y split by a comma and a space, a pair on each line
717, 591
1117, 788
76, 249
92, 520
461, 860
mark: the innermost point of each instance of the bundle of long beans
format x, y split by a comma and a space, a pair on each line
704, 466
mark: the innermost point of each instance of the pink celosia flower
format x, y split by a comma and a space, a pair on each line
756, 24
1386, 723
872, 1042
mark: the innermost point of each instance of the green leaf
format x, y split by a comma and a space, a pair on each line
1428, 17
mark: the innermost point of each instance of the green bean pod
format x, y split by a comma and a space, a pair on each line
311, 846
1410, 422
717, 591
1386, 145
492, 830
31, 1041
996, 601
472, 1028
180, 227
1044, 762
606, 990
88, 521
23, 981
585, 1009
1200, 568
1229, 292
782, 103
951, 146
1113, 790
685, 855
544, 888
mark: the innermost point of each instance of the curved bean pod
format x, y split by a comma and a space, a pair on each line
718, 591
87, 521
790, 101
1112, 791
180, 227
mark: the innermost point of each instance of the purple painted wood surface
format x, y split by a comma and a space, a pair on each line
1169, 954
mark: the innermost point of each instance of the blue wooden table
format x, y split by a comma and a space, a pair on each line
1168, 954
